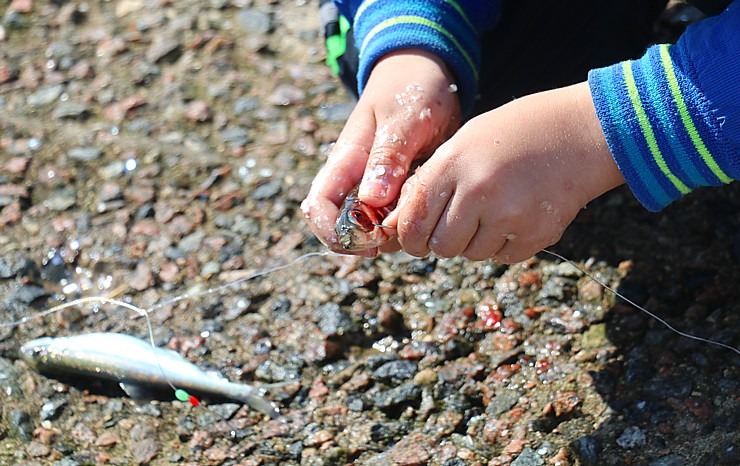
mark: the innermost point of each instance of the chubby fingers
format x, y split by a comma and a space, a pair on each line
401, 138
342, 171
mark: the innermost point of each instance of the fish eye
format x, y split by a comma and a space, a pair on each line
361, 220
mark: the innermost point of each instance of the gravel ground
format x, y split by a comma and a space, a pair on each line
150, 149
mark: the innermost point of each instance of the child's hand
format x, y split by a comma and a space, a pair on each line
406, 110
509, 182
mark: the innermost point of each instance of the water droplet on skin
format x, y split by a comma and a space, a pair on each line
379, 171
434, 241
510, 236
443, 194
452, 88
425, 114
548, 207
398, 172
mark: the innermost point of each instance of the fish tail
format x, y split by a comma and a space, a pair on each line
260, 403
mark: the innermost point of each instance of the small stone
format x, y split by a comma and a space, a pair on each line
61, 199
22, 6
426, 377
163, 49
198, 111
85, 154
145, 450
142, 278
37, 449
408, 393
395, 372
20, 424
632, 437
70, 111
266, 191
45, 95
83, 434
528, 457
51, 409
318, 438
287, 94
107, 439
255, 21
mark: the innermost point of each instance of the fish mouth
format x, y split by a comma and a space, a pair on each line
346, 240
33, 351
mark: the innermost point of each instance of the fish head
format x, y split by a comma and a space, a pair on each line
359, 225
36, 352
359, 228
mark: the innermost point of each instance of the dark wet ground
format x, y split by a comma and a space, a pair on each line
150, 149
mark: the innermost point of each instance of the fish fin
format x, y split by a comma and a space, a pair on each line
137, 392
262, 404
253, 397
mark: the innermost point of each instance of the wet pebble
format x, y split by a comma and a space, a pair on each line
632, 437
84, 154
61, 199
198, 111
144, 447
405, 394
52, 409
255, 21
588, 448
20, 425
528, 457
70, 111
235, 136
395, 372
266, 190
37, 450
164, 49
83, 434
287, 94
333, 320
45, 95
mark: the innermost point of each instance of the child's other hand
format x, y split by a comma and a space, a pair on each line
509, 182
406, 110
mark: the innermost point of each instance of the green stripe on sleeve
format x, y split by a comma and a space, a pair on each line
688, 123
410, 19
647, 130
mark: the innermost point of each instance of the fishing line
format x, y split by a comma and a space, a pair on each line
180, 394
651, 314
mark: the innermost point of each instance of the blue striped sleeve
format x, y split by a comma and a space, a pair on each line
449, 29
672, 118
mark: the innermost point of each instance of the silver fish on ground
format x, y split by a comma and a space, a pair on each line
135, 365
359, 226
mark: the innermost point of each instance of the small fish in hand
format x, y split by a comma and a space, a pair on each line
360, 226
136, 365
